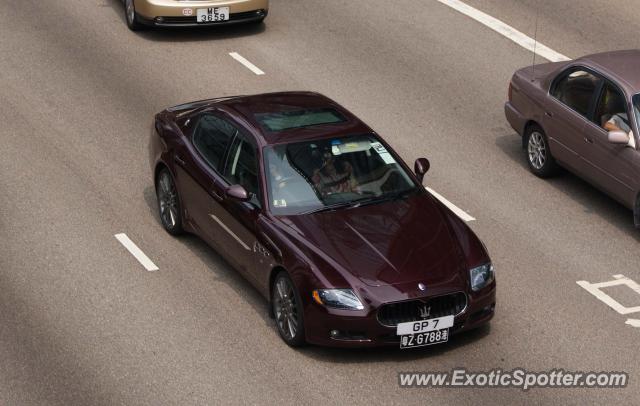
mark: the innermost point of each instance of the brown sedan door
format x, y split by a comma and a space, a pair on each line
570, 100
611, 167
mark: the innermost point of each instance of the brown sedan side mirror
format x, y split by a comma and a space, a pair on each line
618, 137
421, 167
237, 192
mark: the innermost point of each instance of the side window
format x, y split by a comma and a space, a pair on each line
611, 112
576, 89
211, 138
242, 168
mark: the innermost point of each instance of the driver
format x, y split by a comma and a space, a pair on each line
329, 179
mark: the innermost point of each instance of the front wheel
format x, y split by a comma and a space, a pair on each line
539, 158
287, 309
168, 203
131, 16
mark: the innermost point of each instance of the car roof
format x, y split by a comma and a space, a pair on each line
249, 106
622, 66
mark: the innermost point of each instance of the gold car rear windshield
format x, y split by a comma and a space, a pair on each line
288, 120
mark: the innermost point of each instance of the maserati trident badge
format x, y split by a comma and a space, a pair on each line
425, 311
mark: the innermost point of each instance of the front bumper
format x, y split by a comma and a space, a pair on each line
163, 13
366, 331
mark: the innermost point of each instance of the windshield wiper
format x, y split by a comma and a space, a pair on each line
365, 201
330, 207
385, 198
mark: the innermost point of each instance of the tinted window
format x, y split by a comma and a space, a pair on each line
242, 168
611, 113
296, 119
576, 90
211, 137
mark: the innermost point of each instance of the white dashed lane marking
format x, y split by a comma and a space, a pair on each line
253, 68
136, 252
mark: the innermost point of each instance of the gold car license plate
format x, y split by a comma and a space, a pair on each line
212, 14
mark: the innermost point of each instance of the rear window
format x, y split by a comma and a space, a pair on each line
287, 120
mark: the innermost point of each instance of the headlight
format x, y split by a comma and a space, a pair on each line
481, 276
338, 299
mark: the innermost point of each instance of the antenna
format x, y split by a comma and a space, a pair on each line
535, 43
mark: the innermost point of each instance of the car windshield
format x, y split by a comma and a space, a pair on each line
311, 176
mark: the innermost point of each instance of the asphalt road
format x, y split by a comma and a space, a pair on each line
82, 323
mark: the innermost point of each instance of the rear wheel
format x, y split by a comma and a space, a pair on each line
287, 310
539, 158
168, 203
131, 15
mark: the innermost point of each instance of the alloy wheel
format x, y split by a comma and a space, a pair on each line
286, 308
131, 11
168, 200
537, 150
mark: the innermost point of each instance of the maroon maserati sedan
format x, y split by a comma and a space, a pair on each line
583, 115
323, 218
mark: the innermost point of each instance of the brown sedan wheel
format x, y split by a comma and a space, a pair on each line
131, 15
539, 158
287, 310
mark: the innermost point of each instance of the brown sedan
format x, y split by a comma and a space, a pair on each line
583, 115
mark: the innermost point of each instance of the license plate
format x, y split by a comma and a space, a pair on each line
422, 339
424, 332
212, 14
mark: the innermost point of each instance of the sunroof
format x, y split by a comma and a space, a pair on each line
287, 120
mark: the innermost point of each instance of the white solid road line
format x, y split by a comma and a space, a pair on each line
514, 35
458, 211
253, 68
136, 252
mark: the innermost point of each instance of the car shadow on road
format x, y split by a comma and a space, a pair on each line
220, 269
592, 200
188, 34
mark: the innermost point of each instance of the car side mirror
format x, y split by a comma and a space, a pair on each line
618, 137
421, 167
237, 192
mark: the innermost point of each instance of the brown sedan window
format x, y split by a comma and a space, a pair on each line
611, 113
576, 90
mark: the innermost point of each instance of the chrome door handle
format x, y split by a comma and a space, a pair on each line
588, 140
546, 113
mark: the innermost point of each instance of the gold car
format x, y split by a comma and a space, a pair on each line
188, 13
